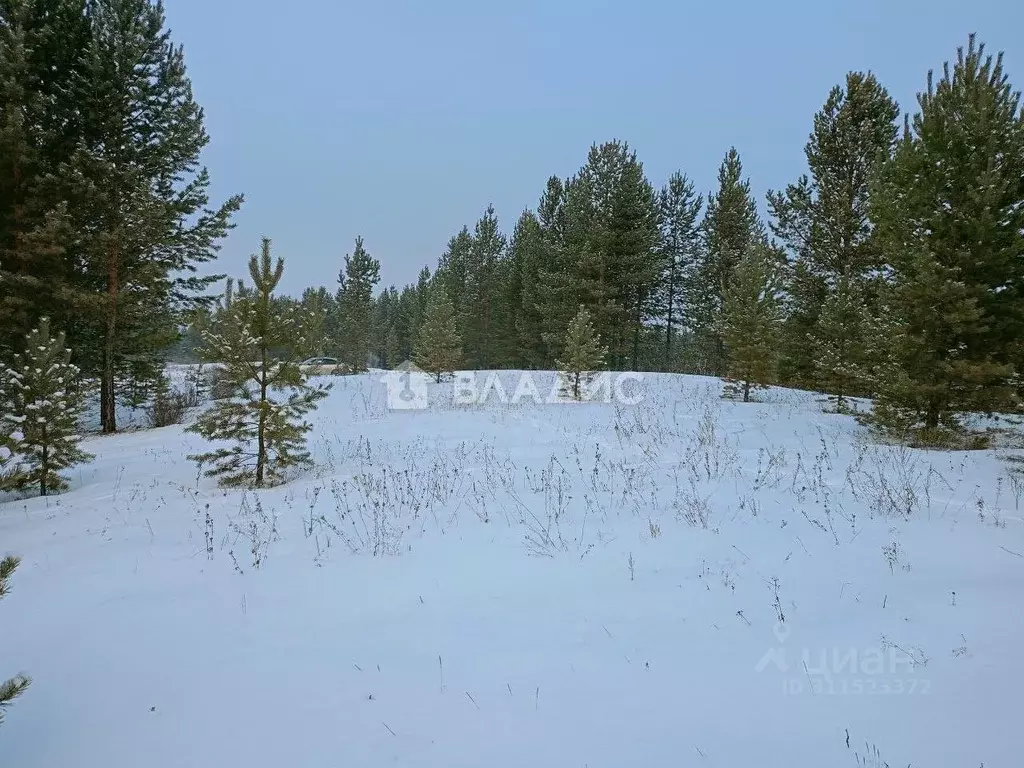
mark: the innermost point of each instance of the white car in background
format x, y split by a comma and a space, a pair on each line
322, 366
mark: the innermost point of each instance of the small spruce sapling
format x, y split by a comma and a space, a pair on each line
39, 411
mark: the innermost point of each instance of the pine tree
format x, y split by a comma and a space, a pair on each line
355, 301
602, 226
840, 342
41, 47
551, 210
140, 200
680, 251
13, 688
407, 320
269, 432
950, 215
477, 308
621, 261
439, 346
313, 311
731, 229
526, 256
39, 411
383, 315
824, 218
392, 349
750, 321
582, 356
452, 267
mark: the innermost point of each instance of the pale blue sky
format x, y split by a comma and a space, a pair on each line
401, 120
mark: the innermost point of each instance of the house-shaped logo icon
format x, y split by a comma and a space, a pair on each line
407, 387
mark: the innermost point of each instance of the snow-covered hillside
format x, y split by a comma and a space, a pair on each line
682, 582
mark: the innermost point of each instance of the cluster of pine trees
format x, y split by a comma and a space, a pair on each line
894, 267
105, 217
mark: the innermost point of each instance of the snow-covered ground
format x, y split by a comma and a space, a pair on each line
682, 582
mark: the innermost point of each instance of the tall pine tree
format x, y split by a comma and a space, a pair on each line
603, 229
356, 281
482, 290
140, 200
527, 252
731, 229
950, 214
680, 252
41, 58
824, 219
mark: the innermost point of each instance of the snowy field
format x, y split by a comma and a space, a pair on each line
682, 582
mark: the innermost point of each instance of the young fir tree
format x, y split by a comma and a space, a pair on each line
258, 346
950, 215
355, 305
750, 321
13, 688
680, 250
582, 356
439, 347
39, 410
841, 343
731, 229
824, 221
140, 204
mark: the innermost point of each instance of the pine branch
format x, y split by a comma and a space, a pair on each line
11, 690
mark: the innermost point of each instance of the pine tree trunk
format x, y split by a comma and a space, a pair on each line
45, 465
261, 441
636, 342
668, 321
746, 391
108, 398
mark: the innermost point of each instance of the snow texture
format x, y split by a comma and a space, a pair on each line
683, 582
